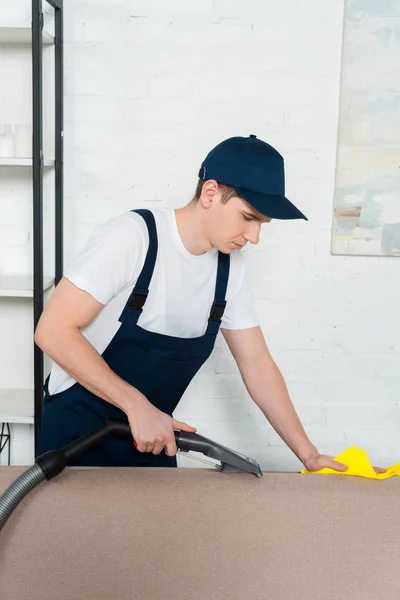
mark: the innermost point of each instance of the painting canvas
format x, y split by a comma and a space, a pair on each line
366, 218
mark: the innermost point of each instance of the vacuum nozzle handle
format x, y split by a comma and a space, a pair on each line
54, 461
186, 440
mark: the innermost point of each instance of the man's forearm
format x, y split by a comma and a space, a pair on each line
74, 353
267, 387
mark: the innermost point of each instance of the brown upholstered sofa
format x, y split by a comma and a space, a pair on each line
191, 534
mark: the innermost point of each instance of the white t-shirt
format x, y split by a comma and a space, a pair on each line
181, 290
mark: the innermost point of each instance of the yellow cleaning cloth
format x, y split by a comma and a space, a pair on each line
358, 465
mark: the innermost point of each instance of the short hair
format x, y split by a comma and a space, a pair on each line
227, 191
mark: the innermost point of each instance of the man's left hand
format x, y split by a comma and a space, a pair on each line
322, 461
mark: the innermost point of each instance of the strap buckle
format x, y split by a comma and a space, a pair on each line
217, 310
137, 299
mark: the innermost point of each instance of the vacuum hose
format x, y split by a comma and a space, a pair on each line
51, 463
18, 490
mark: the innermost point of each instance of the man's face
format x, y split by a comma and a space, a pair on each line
232, 225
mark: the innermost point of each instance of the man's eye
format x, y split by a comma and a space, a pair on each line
247, 218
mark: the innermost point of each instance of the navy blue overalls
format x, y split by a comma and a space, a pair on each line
158, 365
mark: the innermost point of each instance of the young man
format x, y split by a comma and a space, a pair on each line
137, 314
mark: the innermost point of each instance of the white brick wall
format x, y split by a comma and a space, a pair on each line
150, 88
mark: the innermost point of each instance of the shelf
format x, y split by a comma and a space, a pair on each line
22, 162
20, 32
20, 286
16, 405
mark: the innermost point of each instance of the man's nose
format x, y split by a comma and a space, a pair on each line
252, 235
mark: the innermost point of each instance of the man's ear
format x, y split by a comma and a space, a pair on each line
209, 191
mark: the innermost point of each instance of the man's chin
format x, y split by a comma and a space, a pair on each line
228, 248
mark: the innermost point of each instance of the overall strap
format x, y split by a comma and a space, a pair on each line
218, 307
140, 291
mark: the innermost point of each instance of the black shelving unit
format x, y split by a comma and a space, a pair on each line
38, 164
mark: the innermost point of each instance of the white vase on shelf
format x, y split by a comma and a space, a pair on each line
6, 141
23, 140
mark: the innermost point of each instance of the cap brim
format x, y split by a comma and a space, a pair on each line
275, 207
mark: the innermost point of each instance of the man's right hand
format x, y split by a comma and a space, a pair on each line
152, 429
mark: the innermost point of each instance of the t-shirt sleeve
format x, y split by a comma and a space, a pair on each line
111, 260
240, 311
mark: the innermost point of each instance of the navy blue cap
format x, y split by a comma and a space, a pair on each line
256, 171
